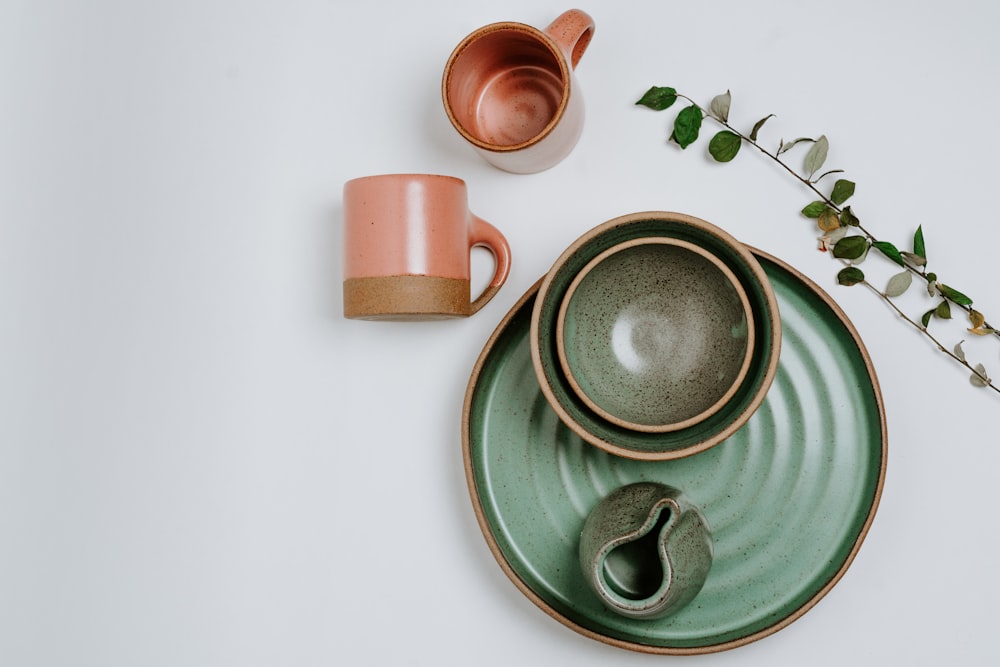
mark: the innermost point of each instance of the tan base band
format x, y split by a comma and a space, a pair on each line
406, 298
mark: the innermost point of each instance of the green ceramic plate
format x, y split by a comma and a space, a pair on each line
789, 497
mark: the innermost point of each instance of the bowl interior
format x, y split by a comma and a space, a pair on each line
628, 442
655, 334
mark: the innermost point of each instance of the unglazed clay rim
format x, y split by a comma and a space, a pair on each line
694, 419
538, 601
761, 281
564, 72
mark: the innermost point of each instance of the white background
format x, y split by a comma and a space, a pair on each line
203, 463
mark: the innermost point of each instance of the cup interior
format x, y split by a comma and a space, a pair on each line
655, 334
505, 86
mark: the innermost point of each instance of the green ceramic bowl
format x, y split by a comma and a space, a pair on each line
713, 428
655, 334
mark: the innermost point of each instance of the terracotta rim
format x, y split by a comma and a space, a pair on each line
564, 73
684, 423
771, 303
377, 177
505, 566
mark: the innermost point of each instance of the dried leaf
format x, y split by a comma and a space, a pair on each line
724, 146
658, 98
759, 124
979, 324
959, 352
827, 173
979, 378
686, 126
850, 247
850, 276
898, 284
783, 147
982, 331
828, 220
842, 191
828, 240
720, 108
914, 260
817, 155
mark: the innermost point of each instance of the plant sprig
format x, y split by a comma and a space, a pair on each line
843, 234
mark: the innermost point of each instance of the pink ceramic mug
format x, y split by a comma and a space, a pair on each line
510, 91
407, 245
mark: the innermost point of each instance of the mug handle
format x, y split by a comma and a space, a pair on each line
572, 31
485, 235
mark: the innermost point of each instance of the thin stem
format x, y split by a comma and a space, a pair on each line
926, 332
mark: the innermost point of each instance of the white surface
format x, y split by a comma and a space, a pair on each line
203, 463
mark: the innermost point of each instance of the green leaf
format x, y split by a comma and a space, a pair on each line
850, 247
926, 319
814, 209
759, 124
658, 98
848, 218
890, 251
828, 220
842, 191
686, 126
724, 146
943, 311
954, 295
898, 284
850, 275
720, 108
918, 243
817, 155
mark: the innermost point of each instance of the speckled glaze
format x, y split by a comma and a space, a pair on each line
510, 91
645, 550
681, 442
407, 242
789, 497
655, 334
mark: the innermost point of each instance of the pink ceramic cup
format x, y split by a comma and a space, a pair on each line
407, 245
510, 91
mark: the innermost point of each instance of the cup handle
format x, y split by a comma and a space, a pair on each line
487, 236
572, 31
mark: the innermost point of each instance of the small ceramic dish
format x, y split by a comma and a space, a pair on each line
731, 414
655, 334
645, 550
